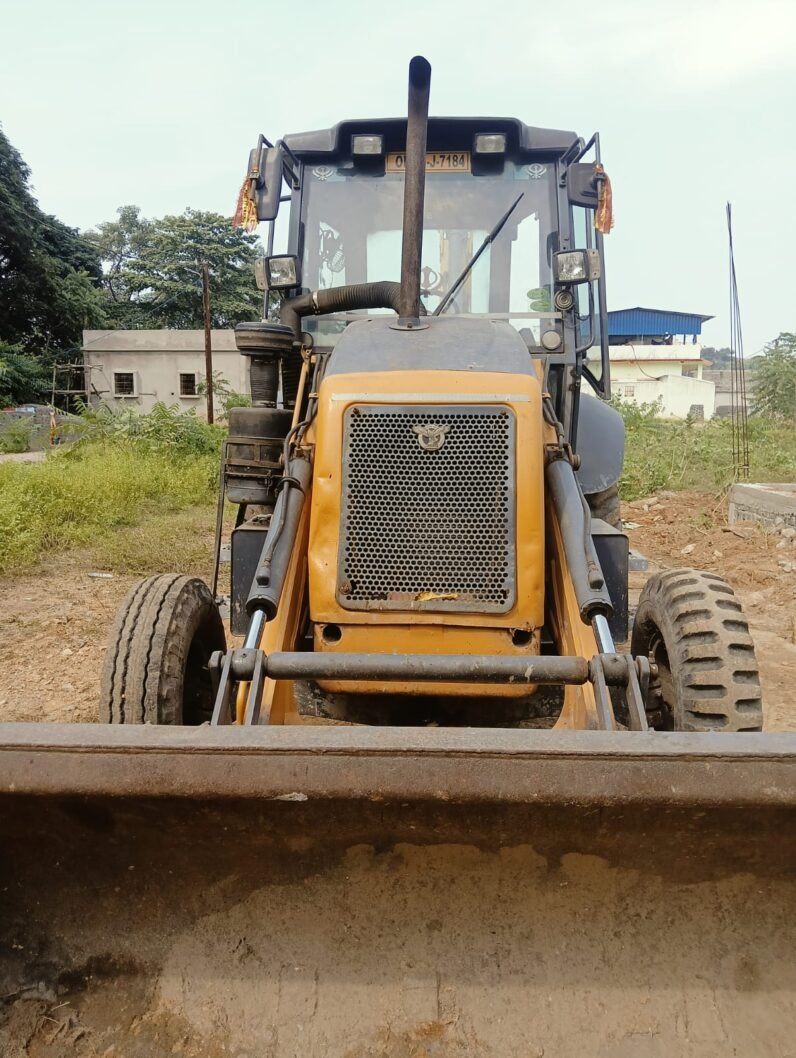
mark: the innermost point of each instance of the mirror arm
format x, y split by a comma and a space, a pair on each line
602, 309
590, 342
294, 168
594, 142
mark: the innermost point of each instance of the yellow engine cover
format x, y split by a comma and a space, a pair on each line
409, 614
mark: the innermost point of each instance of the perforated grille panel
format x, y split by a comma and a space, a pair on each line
428, 511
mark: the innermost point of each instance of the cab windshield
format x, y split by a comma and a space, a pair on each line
352, 234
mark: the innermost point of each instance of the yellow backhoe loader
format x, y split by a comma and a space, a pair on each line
435, 796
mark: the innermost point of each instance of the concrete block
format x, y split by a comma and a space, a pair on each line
637, 563
772, 504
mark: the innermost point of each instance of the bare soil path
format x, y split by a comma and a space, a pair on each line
54, 620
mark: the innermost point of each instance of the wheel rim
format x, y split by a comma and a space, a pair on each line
663, 688
197, 697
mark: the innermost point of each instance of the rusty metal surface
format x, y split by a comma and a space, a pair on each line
469, 765
328, 892
443, 668
148, 925
419, 91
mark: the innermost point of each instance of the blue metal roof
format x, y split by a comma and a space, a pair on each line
654, 322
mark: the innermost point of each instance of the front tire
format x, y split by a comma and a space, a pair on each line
692, 627
156, 662
606, 505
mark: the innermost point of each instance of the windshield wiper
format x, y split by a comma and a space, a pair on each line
473, 260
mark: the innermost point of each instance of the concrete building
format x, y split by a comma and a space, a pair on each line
655, 356
722, 379
144, 367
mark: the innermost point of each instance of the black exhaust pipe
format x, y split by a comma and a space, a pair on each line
403, 297
414, 186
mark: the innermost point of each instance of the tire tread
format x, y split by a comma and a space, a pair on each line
715, 675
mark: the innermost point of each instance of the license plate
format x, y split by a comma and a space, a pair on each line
436, 162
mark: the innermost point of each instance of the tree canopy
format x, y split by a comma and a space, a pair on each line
49, 273
774, 379
128, 272
718, 357
152, 269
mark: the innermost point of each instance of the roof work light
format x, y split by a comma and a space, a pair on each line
490, 143
372, 145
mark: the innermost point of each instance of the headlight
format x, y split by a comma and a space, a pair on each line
577, 266
282, 273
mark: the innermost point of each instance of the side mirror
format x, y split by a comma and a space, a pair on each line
583, 188
265, 171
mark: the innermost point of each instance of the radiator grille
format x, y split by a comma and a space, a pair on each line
428, 509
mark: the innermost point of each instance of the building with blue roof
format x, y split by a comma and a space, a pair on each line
656, 356
652, 326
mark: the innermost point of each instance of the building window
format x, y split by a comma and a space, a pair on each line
630, 391
123, 384
188, 384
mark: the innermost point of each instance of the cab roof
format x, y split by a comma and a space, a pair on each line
443, 134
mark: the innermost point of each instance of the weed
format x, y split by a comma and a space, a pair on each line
181, 541
165, 429
666, 454
16, 435
76, 497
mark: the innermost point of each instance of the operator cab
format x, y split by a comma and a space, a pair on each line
509, 232
345, 187
352, 214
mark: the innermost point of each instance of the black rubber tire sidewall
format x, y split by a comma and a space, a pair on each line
606, 505
714, 680
155, 669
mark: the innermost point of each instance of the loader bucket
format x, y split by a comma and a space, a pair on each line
345, 892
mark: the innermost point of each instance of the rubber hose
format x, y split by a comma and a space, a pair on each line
382, 295
264, 381
291, 373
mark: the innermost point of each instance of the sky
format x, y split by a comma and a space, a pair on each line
157, 103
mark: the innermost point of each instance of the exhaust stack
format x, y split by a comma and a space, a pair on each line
414, 186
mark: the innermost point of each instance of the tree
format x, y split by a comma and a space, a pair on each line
774, 379
23, 379
718, 357
49, 274
152, 269
118, 244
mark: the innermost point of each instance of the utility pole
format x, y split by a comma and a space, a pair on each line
208, 346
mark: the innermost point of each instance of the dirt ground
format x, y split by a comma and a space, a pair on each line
690, 529
54, 620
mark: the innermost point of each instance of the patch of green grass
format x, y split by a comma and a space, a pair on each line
16, 435
80, 497
177, 542
666, 454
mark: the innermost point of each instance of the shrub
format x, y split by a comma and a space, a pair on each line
684, 454
164, 429
72, 498
16, 435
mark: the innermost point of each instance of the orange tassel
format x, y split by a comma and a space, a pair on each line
604, 214
245, 211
